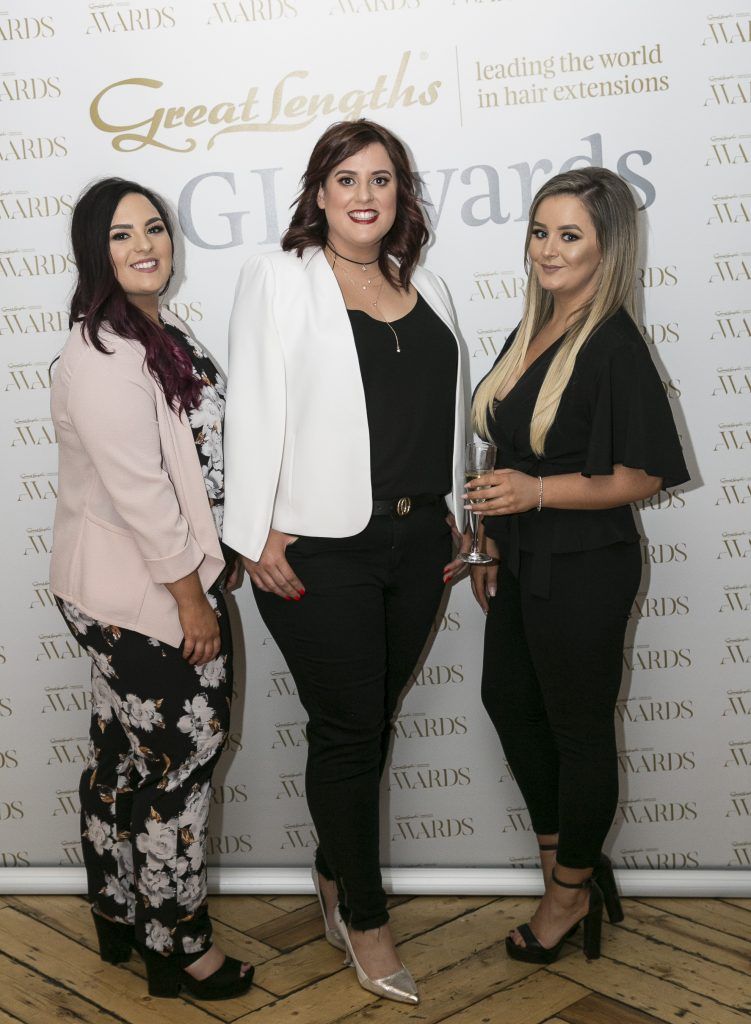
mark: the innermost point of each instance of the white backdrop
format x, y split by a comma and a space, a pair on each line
216, 105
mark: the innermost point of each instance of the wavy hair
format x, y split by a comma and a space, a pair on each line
611, 206
99, 301
409, 232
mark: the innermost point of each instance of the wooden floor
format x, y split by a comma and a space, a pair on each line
686, 961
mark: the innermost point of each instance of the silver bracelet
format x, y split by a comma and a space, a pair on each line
539, 497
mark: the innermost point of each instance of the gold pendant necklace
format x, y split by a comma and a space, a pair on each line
370, 282
389, 325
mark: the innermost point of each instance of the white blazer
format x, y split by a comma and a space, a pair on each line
296, 441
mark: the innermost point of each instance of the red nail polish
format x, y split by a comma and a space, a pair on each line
447, 578
296, 598
301, 592
287, 598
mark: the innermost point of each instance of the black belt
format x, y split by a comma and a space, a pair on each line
401, 507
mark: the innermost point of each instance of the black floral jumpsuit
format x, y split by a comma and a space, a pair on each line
157, 729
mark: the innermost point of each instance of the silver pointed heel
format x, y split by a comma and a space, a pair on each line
399, 986
333, 936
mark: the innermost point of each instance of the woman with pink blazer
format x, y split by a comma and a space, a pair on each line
138, 571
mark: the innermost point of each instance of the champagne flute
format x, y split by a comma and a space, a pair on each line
479, 458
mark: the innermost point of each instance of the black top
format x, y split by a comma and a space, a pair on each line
614, 410
410, 398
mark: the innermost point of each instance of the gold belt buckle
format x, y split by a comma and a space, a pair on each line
404, 506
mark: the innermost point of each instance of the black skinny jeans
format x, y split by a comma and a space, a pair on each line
551, 675
351, 644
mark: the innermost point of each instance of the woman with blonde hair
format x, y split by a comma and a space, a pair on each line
583, 428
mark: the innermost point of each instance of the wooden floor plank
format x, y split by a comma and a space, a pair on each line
741, 904
530, 1001
72, 918
660, 997
290, 903
693, 938
292, 929
113, 988
681, 961
597, 1009
243, 912
661, 959
67, 914
35, 999
717, 914
8, 1018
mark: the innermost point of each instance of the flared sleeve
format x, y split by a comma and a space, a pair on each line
631, 420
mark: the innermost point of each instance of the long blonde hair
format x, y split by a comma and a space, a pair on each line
611, 206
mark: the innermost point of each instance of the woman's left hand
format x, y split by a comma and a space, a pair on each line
504, 492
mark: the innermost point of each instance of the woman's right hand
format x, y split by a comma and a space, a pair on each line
198, 620
201, 629
272, 572
484, 578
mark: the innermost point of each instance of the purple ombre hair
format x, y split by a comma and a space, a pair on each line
100, 302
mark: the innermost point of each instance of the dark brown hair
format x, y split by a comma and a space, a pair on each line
99, 301
409, 232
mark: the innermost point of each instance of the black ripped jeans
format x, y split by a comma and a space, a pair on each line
351, 644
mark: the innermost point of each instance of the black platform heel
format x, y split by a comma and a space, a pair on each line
116, 940
605, 879
166, 977
533, 952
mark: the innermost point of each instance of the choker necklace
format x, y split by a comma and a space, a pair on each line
358, 263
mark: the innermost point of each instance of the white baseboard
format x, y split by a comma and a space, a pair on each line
403, 881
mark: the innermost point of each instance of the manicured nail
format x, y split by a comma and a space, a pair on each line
301, 592
491, 591
296, 598
287, 598
447, 578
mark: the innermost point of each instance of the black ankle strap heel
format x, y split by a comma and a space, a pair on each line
603, 875
592, 920
534, 952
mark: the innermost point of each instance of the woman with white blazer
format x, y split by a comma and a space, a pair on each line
137, 571
345, 431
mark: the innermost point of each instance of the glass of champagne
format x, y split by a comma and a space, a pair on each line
479, 459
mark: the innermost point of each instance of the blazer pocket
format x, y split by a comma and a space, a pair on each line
113, 577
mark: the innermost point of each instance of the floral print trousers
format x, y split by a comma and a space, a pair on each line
157, 729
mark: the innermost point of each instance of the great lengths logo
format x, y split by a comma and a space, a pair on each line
289, 109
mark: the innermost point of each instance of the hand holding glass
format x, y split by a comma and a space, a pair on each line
479, 459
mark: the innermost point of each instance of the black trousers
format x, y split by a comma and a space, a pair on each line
551, 675
351, 644
157, 729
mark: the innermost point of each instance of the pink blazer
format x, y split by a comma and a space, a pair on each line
132, 511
